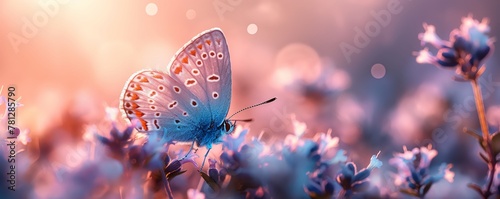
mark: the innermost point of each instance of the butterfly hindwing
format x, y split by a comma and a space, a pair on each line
152, 97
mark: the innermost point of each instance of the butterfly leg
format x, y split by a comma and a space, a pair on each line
190, 149
205, 158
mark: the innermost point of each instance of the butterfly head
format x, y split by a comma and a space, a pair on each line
227, 127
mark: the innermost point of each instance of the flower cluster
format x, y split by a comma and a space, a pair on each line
150, 156
296, 168
465, 50
414, 175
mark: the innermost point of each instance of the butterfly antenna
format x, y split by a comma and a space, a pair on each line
243, 120
262, 103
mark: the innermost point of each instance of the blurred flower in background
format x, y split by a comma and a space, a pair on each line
465, 50
414, 171
417, 113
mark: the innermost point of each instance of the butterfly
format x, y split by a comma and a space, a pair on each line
191, 100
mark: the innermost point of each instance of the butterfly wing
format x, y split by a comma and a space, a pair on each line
153, 98
194, 95
203, 66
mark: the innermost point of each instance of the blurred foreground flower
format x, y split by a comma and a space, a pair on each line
352, 180
297, 167
413, 175
151, 156
465, 50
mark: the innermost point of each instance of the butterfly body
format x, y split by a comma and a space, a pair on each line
191, 100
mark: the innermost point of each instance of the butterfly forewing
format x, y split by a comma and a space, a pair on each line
204, 67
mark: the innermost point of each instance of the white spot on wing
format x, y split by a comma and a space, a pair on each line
213, 78
190, 82
194, 103
172, 105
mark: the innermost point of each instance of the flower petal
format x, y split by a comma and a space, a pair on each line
430, 36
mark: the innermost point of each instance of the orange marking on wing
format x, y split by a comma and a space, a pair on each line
134, 105
200, 46
189, 82
218, 41
138, 113
134, 96
185, 60
144, 79
178, 70
208, 42
158, 76
137, 88
193, 52
144, 124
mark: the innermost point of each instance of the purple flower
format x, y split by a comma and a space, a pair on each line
299, 129
233, 141
413, 170
351, 180
465, 50
118, 141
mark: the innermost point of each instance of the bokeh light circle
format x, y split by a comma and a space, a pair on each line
252, 29
190, 14
298, 61
378, 71
151, 9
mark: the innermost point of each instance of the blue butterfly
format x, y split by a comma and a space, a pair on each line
192, 100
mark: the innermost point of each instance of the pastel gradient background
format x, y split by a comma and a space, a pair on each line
74, 61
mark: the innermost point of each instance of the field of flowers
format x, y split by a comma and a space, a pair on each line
374, 99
